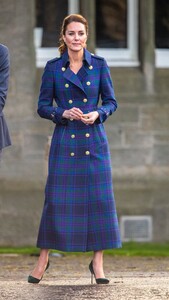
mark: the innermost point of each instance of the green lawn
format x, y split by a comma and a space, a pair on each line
128, 249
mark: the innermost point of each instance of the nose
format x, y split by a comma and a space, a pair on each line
76, 36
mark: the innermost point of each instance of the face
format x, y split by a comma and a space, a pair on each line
75, 36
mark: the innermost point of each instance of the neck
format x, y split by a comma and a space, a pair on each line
75, 56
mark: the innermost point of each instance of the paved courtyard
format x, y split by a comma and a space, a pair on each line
68, 278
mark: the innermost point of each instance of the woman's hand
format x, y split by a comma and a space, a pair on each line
73, 114
89, 118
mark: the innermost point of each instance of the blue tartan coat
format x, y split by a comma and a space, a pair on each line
79, 212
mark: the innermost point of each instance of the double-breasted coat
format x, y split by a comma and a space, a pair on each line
79, 212
4, 76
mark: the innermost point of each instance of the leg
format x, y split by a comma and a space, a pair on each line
41, 264
98, 264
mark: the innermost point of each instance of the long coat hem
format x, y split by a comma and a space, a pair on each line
117, 246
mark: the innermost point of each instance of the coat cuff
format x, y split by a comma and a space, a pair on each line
56, 116
103, 115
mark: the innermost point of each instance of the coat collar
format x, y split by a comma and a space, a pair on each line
65, 58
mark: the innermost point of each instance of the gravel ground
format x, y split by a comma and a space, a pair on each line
68, 278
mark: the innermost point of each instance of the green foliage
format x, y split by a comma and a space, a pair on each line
19, 250
141, 249
128, 249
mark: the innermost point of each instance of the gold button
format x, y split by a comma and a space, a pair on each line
66, 85
87, 134
73, 136
71, 119
90, 67
87, 152
63, 69
84, 100
72, 154
88, 83
70, 101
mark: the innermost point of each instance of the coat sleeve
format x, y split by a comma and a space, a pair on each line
109, 104
46, 109
4, 75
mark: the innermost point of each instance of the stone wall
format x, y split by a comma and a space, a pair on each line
139, 140
22, 165
16, 24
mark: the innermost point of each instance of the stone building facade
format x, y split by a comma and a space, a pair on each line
138, 132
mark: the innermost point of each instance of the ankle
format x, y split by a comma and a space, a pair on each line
43, 259
97, 263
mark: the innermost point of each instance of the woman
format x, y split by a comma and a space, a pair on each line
79, 212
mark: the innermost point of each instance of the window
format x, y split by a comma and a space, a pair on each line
49, 16
111, 24
117, 31
162, 33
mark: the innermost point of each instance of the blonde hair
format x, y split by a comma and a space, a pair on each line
67, 20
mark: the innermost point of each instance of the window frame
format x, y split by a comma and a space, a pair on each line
162, 58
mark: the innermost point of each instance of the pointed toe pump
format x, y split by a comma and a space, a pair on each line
98, 280
32, 279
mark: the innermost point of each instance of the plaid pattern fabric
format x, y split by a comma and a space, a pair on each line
79, 211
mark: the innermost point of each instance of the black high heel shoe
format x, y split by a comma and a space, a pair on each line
98, 280
32, 279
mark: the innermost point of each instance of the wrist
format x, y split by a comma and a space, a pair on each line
65, 114
97, 114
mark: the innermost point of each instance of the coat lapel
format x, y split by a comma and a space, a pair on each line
83, 72
72, 77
